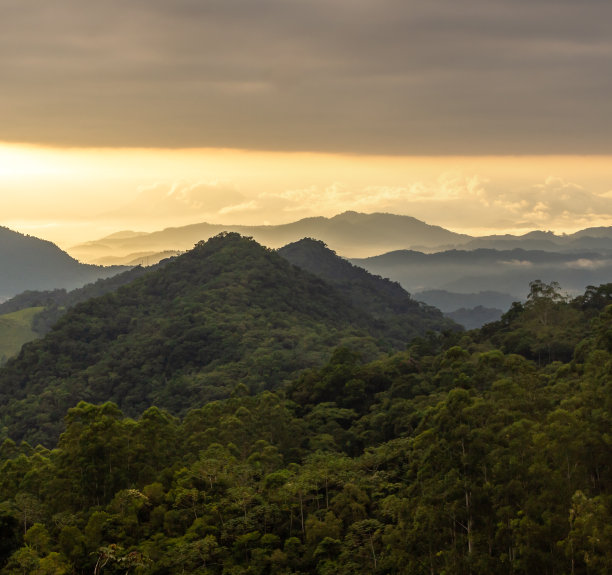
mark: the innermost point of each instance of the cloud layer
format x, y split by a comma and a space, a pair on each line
457, 200
376, 76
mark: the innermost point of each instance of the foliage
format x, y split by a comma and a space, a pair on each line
31, 314
486, 452
384, 299
186, 333
15, 330
452, 456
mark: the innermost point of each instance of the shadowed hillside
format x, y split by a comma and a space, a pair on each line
29, 263
385, 300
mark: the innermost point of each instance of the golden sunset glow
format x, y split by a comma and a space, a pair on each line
70, 195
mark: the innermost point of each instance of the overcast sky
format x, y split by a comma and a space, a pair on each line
377, 78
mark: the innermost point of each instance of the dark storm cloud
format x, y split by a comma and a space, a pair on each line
381, 76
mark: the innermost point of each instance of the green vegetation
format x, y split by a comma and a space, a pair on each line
386, 301
53, 304
31, 314
486, 452
228, 311
15, 330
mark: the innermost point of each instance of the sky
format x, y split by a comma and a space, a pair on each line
483, 116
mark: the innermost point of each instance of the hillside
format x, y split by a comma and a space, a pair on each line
471, 310
228, 311
385, 300
29, 263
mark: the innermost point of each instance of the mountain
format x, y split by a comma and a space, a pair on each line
447, 301
599, 239
471, 310
29, 263
149, 258
475, 317
385, 300
229, 311
507, 271
350, 233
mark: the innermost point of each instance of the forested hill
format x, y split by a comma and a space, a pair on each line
459, 455
385, 300
29, 263
228, 311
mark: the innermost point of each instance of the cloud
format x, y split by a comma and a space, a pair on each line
181, 200
239, 208
587, 264
380, 76
554, 202
340, 196
457, 200
518, 263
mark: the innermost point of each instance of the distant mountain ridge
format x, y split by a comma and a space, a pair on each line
29, 263
349, 233
506, 271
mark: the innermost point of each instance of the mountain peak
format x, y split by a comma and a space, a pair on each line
227, 311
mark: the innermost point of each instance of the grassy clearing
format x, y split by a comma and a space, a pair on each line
15, 330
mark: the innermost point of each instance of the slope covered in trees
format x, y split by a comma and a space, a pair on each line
385, 300
453, 456
228, 311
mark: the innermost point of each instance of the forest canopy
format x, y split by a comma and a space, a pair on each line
466, 452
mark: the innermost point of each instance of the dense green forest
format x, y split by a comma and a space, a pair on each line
185, 333
383, 299
464, 453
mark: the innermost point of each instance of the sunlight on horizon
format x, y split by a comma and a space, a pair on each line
70, 195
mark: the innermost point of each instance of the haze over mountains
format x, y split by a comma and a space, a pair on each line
439, 267
420, 256
350, 234
29, 263
478, 270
